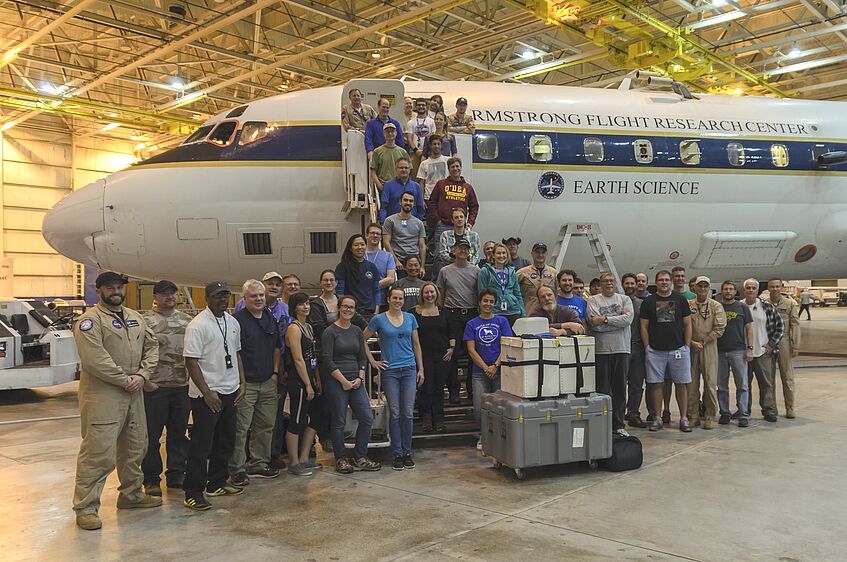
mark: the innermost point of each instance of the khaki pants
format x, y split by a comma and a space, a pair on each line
111, 438
786, 373
763, 369
704, 365
256, 413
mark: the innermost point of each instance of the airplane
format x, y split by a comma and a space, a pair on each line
731, 187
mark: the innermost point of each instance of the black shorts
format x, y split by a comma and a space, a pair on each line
304, 413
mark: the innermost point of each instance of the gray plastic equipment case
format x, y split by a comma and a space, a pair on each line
521, 433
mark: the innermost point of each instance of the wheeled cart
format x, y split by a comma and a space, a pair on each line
521, 433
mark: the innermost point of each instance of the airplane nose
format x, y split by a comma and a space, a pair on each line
69, 227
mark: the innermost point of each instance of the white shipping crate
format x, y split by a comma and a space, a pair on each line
519, 367
576, 352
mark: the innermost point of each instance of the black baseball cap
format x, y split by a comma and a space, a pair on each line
539, 245
514, 239
461, 101
109, 277
164, 286
216, 287
461, 242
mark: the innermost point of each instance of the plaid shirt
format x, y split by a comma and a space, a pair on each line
774, 325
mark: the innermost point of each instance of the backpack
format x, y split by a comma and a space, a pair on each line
626, 454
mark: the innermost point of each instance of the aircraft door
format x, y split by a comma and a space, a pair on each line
372, 90
464, 150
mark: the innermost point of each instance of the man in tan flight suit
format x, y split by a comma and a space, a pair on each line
708, 322
118, 353
789, 311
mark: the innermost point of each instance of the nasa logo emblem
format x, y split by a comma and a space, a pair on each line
117, 324
86, 325
551, 185
369, 275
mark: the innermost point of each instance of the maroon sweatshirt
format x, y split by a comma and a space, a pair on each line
449, 194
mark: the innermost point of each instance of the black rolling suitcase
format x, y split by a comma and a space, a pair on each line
626, 454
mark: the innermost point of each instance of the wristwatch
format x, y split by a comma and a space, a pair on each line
750, 347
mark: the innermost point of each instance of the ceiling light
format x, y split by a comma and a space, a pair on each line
376, 55
718, 3
283, 86
48, 88
737, 92
177, 84
140, 146
136, 137
197, 117
527, 54
109, 127
794, 53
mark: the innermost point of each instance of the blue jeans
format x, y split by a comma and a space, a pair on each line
481, 385
337, 401
734, 360
399, 386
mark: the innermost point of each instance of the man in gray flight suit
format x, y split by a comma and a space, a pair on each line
118, 353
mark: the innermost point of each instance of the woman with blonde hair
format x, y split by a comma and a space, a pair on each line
500, 276
437, 351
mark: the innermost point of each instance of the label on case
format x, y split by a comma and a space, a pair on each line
578, 437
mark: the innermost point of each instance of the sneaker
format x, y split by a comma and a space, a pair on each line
142, 502
636, 421
743, 422
278, 462
479, 444
708, 423
790, 414
651, 418
724, 419
684, 426
398, 462
312, 465
343, 466
622, 432
694, 422
225, 490
176, 482
299, 469
88, 521
735, 415
197, 503
239, 479
408, 463
326, 445
771, 418
263, 472
153, 489
365, 464
666, 417
656, 425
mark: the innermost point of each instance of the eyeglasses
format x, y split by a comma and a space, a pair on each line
347, 307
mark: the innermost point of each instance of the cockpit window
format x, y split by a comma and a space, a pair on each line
253, 131
199, 134
223, 133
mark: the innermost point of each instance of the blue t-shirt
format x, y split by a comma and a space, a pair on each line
395, 343
575, 302
486, 334
383, 261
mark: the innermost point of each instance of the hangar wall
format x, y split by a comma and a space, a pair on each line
41, 161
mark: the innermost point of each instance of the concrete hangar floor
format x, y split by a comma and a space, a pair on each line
769, 492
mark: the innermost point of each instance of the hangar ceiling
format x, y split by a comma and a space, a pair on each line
151, 69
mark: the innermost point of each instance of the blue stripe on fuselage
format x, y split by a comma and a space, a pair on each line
322, 143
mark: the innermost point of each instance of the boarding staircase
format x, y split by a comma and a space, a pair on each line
362, 194
596, 241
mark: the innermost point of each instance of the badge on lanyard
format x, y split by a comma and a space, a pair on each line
504, 306
313, 363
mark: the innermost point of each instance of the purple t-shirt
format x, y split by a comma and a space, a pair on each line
486, 334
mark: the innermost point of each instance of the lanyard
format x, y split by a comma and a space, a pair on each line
223, 333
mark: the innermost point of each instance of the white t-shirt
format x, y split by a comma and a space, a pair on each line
420, 129
204, 342
431, 171
760, 328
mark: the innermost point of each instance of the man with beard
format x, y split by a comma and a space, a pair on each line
564, 321
118, 353
404, 235
636, 371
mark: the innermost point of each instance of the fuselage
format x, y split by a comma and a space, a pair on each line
728, 187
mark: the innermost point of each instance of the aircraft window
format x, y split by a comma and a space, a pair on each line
541, 148
253, 131
486, 146
237, 112
199, 134
735, 153
222, 135
689, 152
593, 148
643, 151
779, 155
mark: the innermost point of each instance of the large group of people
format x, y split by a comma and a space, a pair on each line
437, 299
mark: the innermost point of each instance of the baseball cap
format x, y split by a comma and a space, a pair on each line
389, 125
215, 288
701, 279
108, 277
461, 242
164, 286
461, 101
538, 245
514, 239
271, 275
